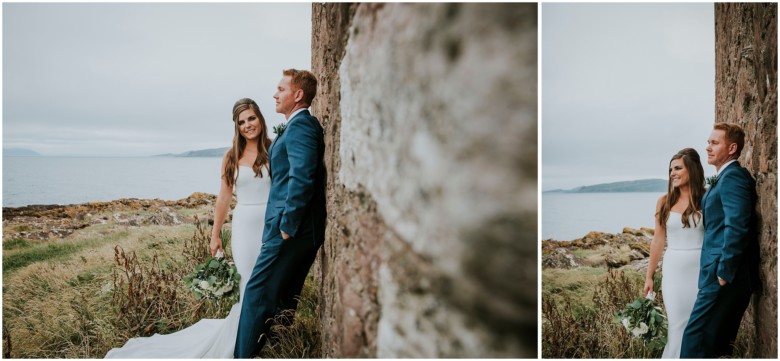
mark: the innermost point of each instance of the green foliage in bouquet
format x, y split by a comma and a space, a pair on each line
216, 278
644, 319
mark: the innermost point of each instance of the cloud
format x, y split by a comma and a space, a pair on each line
625, 86
139, 79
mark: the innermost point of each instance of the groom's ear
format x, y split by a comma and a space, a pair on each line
298, 95
733, 148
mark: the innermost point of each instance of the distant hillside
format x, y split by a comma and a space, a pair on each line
214, 152
16, 152
642, 185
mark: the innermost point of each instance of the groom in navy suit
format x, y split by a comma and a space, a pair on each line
729, 259
294, 218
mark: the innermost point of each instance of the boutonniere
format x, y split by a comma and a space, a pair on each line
711, 181
279, 129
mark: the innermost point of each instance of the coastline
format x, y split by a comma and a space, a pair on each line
631, 247
52, 221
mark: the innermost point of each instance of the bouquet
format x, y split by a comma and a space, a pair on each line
214, 279
644, 319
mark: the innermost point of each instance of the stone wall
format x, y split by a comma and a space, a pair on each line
746, 94
430, 116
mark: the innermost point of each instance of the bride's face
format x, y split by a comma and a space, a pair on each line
249, 124
678, 174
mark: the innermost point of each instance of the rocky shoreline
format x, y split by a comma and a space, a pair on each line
630, 248
43, 222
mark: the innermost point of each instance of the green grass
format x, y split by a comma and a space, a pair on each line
23, 254
15, 243
38, 254
576, 284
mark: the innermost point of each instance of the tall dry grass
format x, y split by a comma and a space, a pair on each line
572, 329
120, 283
580, 324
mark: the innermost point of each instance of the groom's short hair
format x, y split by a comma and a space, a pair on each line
734, 134
304, 80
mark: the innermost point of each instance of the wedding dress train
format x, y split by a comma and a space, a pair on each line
215, 338
680, 278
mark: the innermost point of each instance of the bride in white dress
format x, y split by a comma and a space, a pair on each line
679, 227
246, 164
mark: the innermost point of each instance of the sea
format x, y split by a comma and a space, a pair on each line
567, 216
74, 180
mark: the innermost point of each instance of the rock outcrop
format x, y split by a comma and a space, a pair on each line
561, 258
430, 123
611, 250
41, 222
746, 94
79, 211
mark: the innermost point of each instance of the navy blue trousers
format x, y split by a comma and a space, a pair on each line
275, 284
717, 313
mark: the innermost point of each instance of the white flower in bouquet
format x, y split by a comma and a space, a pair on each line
626, 323
641, 330
643, 318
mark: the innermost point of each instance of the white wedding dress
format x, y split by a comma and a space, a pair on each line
680, 282
216, 338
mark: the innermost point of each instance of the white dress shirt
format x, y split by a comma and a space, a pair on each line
296, 112
719, 171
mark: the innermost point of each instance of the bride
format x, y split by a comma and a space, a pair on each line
245, 170
678, 221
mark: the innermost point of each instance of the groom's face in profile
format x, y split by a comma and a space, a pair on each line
285, 96
718, 148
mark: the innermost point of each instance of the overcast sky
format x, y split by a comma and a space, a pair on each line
624, 87
142, 79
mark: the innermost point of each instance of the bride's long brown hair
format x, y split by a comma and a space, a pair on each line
239, 143
692, 163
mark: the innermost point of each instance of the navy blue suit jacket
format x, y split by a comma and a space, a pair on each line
730, 249
296, 204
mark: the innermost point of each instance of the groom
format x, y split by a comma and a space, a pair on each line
729, 259
294, 218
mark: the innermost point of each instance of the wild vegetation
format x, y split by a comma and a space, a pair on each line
81, 295
578, 308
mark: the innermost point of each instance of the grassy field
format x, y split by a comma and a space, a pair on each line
71, 297
577, 314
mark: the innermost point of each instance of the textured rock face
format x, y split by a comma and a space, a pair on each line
431, 150
746, 94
